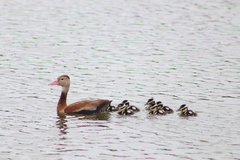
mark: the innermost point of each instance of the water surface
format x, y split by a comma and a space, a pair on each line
177, 52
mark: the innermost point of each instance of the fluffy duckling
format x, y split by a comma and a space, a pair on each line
165, 108
124, 101
123, 110
133, 108
185, 112
111, 108
120, 106
156, 110
149, 103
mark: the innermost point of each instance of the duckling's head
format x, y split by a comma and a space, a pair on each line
152, 103
125, 101
159, 103
149, 101
121, 105
183, 107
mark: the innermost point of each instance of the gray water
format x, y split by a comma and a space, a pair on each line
178, 52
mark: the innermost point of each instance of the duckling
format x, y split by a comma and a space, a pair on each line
156, 110
120, 106
159, 104
149, 104
165, 108
123, 110
133, 108
149, 101
152, 109
124, 101
111, 108
185, 112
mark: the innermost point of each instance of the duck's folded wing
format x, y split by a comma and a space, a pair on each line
87, 106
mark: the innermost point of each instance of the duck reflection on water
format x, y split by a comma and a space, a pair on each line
62, 120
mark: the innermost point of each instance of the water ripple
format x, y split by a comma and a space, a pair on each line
180, 52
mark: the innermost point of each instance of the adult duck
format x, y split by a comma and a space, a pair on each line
80, 107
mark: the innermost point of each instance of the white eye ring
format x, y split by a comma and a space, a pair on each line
62, 79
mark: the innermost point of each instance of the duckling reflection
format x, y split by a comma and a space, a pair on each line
185, 112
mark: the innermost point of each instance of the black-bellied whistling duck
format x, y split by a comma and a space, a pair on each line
81, 107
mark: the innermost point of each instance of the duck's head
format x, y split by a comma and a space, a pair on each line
183, 107
62, 80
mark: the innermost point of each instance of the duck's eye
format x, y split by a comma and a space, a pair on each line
62, 79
